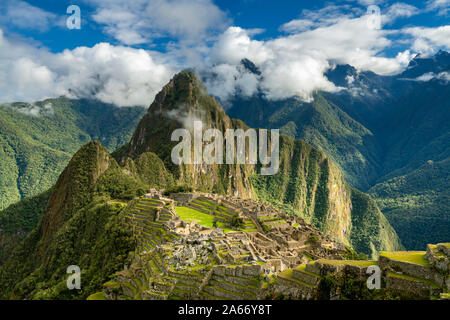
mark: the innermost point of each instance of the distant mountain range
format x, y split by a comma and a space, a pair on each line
378, 129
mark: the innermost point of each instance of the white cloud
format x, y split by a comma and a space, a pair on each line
430, 76
442, 6
295, 65
113, 74
141, 21
235, 44
428, 40
34, 109
25, 16
311, 19
298, 25
369, 2
290, 65
401, 10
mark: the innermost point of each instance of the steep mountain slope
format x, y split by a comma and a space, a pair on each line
18, 220
81, 225
418, 204
37, 140
325, 126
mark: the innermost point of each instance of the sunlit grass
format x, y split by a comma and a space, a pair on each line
417, 257
192, 215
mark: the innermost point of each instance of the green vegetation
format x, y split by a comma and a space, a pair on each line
18, 220
371, 232
97, 296
351, 254
34, 149
79, 226
417, 204
178, 189
313, 239
236, 221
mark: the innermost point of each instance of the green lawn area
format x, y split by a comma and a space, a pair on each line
192, 215
417, 257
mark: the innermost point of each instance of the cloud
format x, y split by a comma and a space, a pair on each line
142, 21
235, 44
367, 3
113, 74
311, 19
294, 65
430, 76
401, 10
22, 15
427, 40
34, 109
442, 6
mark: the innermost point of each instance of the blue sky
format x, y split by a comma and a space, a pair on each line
128, 49
248, 14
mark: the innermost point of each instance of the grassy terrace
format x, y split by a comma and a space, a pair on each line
287, 274
212, 209
359, 263
302, 268
209, 204
411, 278
416, 257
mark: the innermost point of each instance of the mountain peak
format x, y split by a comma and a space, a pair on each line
421, 64
339, 75
182, 90
250, 66
181, 101
74, 186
